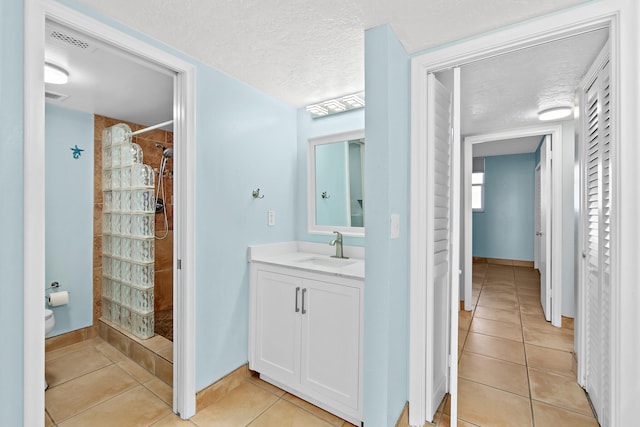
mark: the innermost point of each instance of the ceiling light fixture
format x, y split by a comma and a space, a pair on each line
336, 105
54, 74
554, 113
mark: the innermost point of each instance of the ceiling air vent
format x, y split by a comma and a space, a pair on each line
55, 96
65, 38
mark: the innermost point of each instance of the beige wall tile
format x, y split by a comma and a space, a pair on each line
221, 387
164, 370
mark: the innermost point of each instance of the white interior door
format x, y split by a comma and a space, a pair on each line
544, 237
596, 233
439, 256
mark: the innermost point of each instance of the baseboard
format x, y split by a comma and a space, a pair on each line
220, 388
69, 338
500, 261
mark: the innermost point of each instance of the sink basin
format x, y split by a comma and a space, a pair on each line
329, 262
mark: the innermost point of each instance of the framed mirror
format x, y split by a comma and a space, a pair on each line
335, 168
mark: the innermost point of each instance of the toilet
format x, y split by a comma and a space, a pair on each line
49, 323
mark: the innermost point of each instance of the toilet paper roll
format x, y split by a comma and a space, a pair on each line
58, 298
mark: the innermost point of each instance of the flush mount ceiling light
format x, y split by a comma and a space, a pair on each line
554, 113
54, 74
336, 105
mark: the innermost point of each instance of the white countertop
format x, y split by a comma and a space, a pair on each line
311, 257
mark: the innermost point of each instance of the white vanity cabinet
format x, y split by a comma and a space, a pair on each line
305, 335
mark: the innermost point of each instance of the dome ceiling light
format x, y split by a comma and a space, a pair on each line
554, 113
54, 74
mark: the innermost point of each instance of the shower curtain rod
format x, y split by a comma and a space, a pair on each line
159, 125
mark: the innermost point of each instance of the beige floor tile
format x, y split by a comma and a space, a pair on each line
111, 352
559, 341
172, 420
531, 291
47, 420
318, 412
64, 351
266, 386
496, 328
74, 365
487, 406
510, 316
238, 408
549, 359
529, 309
462, 337
464, 319
445, 421
497, 373
545, 415
135, 370
497, 303
285, 414
507, 293
84, 392
539, 322
499, 348
558, 390
161, 389
136, 407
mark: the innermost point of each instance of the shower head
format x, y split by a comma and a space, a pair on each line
167, 153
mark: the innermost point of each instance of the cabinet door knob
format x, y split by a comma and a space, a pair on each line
297, 292
304, 291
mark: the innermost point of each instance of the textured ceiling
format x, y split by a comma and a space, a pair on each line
301, 51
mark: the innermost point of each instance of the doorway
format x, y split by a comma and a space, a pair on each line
183, 248
545, 30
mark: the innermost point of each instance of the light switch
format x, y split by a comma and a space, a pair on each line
271, 218
395, 226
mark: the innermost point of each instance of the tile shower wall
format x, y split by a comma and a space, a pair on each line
163, 289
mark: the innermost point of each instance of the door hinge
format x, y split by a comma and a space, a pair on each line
179, 266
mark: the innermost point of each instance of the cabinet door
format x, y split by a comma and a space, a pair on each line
277, 340
331, 343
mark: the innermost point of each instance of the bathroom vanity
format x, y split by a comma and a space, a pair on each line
305, 324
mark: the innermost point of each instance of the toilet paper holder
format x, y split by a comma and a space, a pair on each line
54, 285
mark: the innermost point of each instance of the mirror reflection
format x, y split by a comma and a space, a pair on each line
338, 184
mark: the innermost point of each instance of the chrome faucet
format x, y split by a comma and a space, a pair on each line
337, 242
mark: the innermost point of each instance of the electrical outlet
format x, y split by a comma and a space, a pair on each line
271, 218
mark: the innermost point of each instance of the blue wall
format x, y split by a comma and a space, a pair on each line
386, 347
312, 128
69, 214
11, 214
506, 227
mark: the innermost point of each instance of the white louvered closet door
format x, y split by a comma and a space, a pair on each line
596, 238
439, 154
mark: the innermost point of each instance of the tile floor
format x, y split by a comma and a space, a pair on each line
515, 369
93, 384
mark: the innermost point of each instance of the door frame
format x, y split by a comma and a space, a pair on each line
621, 17
555, 130
36, 12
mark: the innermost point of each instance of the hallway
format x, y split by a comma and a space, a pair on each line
515, 369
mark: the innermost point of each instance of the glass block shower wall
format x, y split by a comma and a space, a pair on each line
128, 233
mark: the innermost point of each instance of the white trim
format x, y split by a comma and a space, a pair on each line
184, 243
621, 16
555, 130
312, 227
